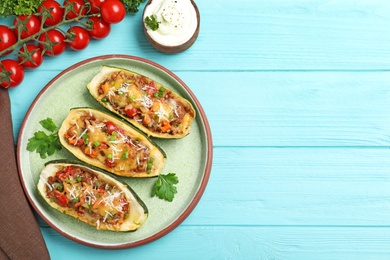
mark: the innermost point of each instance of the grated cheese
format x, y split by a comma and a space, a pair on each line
47, 184
73, 192
100, 126
109, 200
146, 101
78, 138
91, 128
123, 88
161, 113
110, 93
74, 121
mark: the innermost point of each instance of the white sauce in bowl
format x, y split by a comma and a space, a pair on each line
177, 21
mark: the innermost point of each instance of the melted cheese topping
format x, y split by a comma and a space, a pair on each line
141, 99
105, 142
88, 196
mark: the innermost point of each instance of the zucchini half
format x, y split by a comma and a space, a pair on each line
92, 196
104, 141
154, 109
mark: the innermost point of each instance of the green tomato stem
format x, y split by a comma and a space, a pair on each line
46, 29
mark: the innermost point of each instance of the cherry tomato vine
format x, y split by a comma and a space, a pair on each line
39, 34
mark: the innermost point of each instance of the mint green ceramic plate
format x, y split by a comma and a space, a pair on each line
190, 158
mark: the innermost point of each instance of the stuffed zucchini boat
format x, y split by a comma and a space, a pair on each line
91, 196
155, 110
108, 143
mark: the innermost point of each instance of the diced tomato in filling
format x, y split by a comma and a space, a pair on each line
105, 142
131, 112
111, 127
151, 89
84, 193
101, 189
133, 96
110, 163
62, 175
61, 199
72, 140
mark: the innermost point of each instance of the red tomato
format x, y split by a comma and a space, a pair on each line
113, 11
64, 173
27, 28
7, 38
81, 38
78, 8
61, 199
16, 73
109, 163
54, 38
131, 112
56, 12
69, 169
102, 189
151, 89
111, 127
35, 53
95, 6
100, 28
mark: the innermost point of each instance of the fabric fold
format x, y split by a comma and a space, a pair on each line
20, 235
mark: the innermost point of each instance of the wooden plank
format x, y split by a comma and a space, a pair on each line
273, 35
296, 186
295, 108
232, 242
267, 35
282, 109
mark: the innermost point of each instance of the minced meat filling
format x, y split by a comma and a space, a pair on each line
91, 198
137, 97
104, 141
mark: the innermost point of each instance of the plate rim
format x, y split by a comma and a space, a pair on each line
196, 198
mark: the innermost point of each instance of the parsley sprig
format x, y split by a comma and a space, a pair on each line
132, 6
151, 22
164, 187
19, 7
42, 143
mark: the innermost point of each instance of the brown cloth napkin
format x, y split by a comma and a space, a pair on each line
20, 236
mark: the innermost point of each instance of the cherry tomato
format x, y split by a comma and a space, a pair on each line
31, 26
113, 11
95, 6
7, 38
54, 37
81, 38
16, 76
78, 8
36, 56
56, 12
100, 29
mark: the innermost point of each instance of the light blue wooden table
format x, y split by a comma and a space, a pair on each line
297, 94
